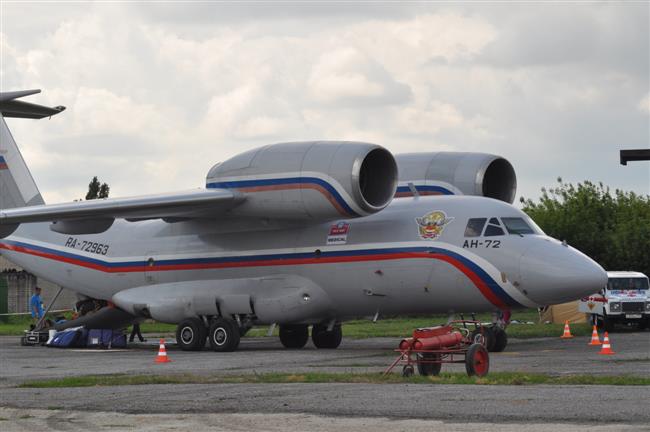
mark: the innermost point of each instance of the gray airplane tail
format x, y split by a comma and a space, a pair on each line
17, 186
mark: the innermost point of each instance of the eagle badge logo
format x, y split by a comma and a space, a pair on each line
431, 225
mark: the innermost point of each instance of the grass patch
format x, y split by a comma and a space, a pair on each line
498, 378
361, 329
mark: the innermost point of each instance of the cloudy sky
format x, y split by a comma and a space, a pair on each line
159, 92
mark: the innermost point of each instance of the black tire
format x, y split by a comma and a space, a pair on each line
407, 371
191, 334
223, 335
644, 324
489, 337
477, 360
500, 339
294, 336
426, 369
324, 339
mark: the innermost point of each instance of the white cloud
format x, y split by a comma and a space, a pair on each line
156, 95
644, 104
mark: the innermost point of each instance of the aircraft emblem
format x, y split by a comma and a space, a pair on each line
338, 233
432, 224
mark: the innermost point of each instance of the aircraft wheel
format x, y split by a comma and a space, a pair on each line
500, 339
407, 371
477, 360
326, 339
487, 337
191, 334
294, 336
426, 369
223, 335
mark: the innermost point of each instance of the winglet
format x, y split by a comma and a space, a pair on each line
10, 107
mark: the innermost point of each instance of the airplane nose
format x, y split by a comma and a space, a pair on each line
553, 273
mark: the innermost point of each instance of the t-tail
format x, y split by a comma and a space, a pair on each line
17, 186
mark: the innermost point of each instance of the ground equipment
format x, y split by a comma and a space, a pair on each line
454, 342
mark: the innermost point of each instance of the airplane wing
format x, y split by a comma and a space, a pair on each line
97, 215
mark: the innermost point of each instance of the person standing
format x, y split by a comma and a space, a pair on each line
36, 305
136, 332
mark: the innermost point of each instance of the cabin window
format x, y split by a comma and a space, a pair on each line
475, 227
516, 225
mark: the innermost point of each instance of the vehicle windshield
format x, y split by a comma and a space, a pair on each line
627, 284
517, 225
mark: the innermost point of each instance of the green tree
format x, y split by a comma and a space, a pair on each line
97, 190
612, 228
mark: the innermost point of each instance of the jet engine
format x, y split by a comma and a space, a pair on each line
319, 180
454, 173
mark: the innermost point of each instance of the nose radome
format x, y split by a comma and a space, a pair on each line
553, 273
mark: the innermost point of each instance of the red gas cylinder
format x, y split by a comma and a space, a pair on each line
406, 344
436, 342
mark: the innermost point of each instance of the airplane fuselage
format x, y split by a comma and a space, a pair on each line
382, 263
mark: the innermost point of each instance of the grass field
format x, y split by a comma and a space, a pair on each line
359, 329
497, 378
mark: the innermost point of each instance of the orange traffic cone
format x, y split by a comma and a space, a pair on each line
595, 340
162, 353
606, 349
567, 332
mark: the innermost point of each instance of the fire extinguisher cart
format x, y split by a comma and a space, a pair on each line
455, 342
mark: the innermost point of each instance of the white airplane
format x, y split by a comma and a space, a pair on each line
299, 234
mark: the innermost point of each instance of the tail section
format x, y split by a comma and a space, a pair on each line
17, 186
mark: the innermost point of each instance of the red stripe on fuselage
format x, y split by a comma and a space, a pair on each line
476, 280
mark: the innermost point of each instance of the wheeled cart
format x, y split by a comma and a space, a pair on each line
454, 342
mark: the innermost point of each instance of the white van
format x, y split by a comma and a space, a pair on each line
625, 300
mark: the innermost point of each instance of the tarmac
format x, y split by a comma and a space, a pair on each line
315, 407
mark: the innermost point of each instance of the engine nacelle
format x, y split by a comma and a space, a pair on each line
453, 173
318, 180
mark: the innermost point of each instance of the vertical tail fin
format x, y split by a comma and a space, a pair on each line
17, 186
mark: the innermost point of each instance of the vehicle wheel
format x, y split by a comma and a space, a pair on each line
408, 371
644, 324
500, 339
487, 337
223, 335
426, 369
477, 360
326, 339
294, 336
23, 342
191, 334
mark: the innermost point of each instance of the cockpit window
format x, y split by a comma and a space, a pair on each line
516, 225
475, 227
493, 230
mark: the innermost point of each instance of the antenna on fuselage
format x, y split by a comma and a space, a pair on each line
414, 190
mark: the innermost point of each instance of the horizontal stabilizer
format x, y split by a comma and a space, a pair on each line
10, 107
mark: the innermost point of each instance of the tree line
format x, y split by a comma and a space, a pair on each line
613, 228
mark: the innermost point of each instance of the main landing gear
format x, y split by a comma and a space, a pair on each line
295, 336
223, 334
